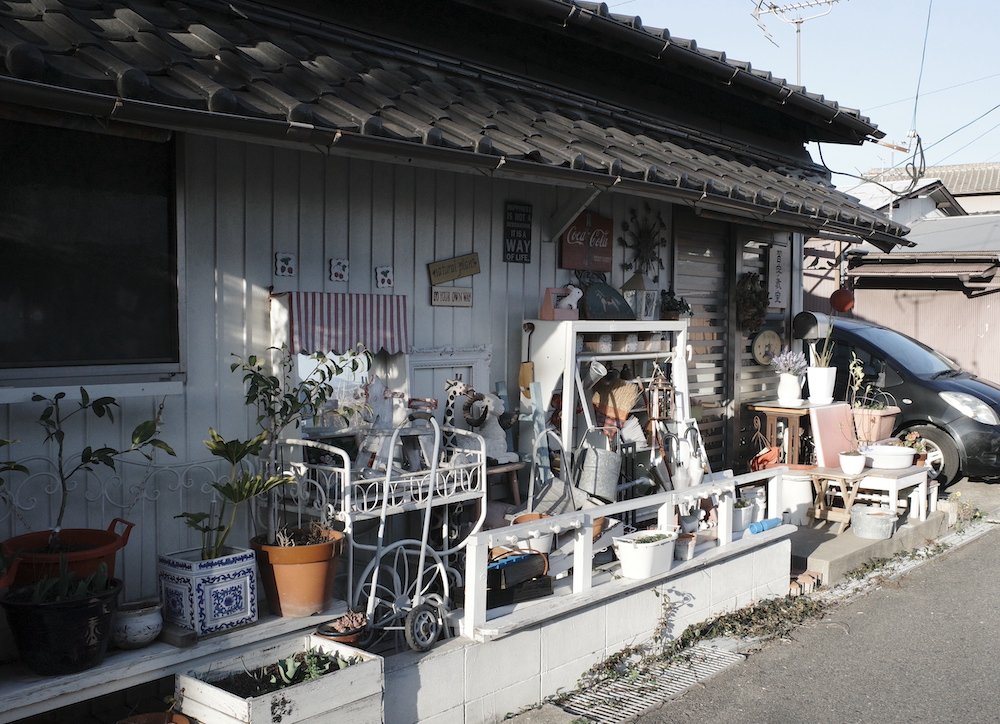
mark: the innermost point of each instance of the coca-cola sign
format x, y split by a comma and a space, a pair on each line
586, 244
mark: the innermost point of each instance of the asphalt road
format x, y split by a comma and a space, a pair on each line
923, 648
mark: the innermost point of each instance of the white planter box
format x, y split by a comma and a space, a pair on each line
208, 596
350, 695
642, 560
742, 518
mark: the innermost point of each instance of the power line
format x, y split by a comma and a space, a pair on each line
923, 56
929, 93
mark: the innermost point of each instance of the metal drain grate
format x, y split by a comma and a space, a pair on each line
620, 700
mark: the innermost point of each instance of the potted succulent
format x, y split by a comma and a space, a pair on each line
912, 439
874, 410
41, 552
296, 680
790, 367
645, 553
742, 514
62, 624
347, 629
214, 588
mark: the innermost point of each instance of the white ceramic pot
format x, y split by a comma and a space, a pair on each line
789, 390
136, 624
642, 559
821, 383
852, 464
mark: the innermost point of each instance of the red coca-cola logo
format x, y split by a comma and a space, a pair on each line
587, 243
587, 236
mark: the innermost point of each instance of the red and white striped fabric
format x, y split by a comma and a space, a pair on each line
334, 322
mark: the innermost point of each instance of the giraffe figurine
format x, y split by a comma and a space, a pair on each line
454, 389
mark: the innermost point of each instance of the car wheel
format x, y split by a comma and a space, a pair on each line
942, 454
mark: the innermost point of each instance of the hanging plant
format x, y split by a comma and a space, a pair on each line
645, 236
751, 302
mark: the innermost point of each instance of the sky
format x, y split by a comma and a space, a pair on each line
908, 65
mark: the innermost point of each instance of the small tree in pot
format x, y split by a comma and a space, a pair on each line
298, 565
84, 549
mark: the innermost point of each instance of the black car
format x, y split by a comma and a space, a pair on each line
956, 412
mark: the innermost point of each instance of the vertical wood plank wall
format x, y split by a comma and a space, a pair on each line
239, 204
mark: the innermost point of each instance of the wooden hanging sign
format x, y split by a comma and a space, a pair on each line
460, 266
451, 296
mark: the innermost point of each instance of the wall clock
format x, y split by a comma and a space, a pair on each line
765, 344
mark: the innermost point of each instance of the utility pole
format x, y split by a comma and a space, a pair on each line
782, 12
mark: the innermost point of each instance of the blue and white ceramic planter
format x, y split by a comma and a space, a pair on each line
209, 596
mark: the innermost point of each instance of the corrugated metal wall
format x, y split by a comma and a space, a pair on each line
962, 328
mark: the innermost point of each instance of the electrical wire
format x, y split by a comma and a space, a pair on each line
923, 57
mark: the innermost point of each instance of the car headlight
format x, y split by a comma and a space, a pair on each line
971, 406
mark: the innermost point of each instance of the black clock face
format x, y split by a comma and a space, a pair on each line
765, 345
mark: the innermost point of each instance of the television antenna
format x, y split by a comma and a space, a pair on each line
784, 13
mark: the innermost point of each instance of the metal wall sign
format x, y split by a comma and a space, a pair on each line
517, 232
586, 244
451, 296
778, 278
460, 266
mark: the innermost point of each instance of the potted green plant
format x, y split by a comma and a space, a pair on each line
297, 563
852, 461
751, 302
302, 679
62, 624
821, 377
214, 588
672, 306
84, 549
874, 410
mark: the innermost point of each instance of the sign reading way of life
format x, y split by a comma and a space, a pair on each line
517, 232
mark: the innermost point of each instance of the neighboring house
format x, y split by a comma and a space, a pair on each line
170, 166
976, 186
941, 289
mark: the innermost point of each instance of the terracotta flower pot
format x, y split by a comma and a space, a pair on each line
298, 580
86, 549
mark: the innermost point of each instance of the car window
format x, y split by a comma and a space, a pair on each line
908, 353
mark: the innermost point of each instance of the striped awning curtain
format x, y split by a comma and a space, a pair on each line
333, 322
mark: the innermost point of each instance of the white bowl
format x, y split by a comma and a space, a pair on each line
889, 457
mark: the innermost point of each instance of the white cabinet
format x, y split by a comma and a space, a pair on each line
560, 351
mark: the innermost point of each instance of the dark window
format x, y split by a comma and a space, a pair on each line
89, 271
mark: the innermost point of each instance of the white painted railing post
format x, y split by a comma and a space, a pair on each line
476, 561
725, 533
583, 556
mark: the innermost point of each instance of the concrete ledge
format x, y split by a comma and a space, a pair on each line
822, 550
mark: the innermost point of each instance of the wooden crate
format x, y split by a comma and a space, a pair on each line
352, 694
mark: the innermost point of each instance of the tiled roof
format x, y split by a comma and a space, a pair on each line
246, 68
961, 180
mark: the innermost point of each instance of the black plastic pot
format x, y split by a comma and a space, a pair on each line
62, 637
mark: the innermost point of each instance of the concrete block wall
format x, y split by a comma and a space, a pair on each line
463, 682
